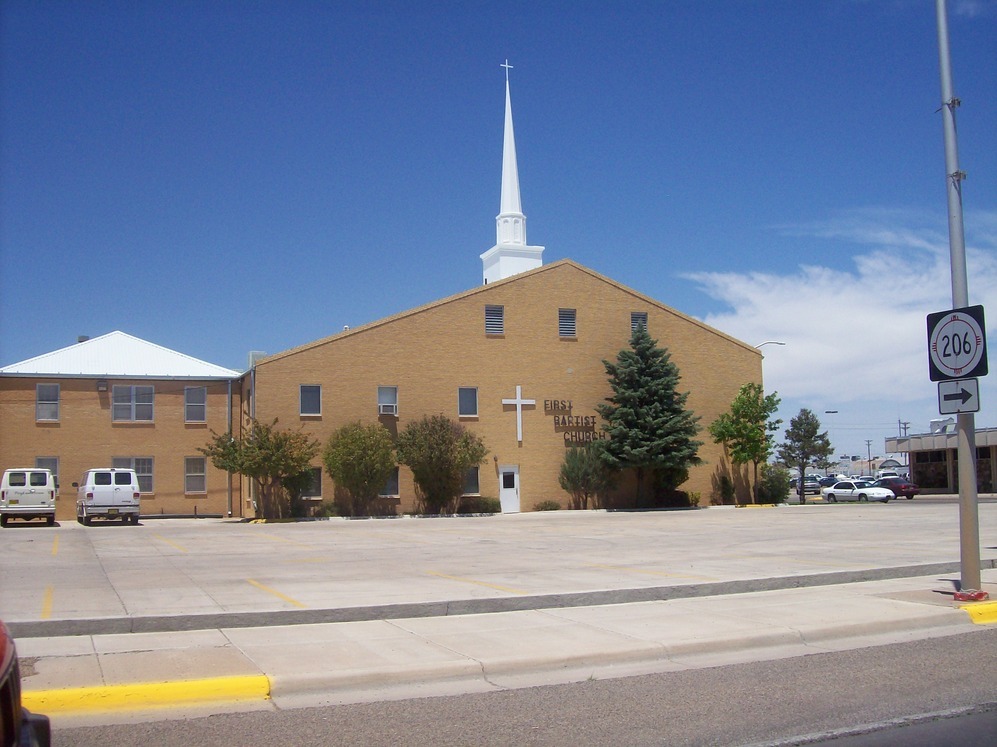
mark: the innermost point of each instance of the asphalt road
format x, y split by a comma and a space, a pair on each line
864, 693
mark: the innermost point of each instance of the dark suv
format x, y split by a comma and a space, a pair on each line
901, 488
18, 727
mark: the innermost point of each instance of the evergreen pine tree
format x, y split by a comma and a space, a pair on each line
647, 426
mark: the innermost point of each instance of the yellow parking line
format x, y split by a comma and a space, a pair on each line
277, 594
55, 546
653, 573
171, 543
478, 583
47, 603
147, 694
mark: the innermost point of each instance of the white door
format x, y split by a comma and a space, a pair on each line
509, 489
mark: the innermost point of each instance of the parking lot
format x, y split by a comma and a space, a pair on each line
120, 578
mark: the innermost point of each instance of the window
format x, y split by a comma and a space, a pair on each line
195, 479
311, 399
195, 404
313, 491
391, 486
47, 402
638, 319
132, 403
387, 400
51, 464
142, 467
566, 323
471, 486
467, 401
494, 320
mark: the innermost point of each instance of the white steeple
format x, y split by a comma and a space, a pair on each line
510, 255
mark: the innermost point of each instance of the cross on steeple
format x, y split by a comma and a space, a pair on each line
507, 67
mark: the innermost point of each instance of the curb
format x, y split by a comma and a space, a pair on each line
147, 695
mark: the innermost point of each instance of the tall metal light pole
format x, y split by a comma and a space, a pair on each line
969, 518
833, 412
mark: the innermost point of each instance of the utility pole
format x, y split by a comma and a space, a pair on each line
969, 516
868, 449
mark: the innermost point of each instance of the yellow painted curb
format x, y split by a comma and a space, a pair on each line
147, 694
981, 613
755, 505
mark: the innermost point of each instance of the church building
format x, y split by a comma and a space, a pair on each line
517, 360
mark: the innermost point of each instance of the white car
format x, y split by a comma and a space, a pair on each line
856, 490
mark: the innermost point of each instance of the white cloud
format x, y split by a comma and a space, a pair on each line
856, 338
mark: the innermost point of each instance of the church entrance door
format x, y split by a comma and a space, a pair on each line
509, 489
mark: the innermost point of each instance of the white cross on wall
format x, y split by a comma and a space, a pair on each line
519, 402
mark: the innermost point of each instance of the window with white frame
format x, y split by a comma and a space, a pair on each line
494, 320
467, 401
195, 477
195, 404
51, 464
142, 467
310, 399
387, 400
313, 490
132, 403
566, 326
638, 319
47, 402
471, 485
390, 487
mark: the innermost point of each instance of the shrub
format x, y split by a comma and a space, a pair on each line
360, 458
547, 506
773, 486
479, 504
439, 451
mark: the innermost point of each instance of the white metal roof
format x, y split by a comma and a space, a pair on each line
118, 354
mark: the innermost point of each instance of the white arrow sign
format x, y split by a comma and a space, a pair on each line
958, 395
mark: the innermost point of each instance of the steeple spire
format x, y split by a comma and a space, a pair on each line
510, 255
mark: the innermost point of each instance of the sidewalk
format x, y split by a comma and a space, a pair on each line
103, 678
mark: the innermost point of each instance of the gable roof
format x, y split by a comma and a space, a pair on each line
117, 354
552, 267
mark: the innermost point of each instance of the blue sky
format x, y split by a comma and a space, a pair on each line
220, 177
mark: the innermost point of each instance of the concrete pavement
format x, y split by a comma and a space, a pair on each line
557, 626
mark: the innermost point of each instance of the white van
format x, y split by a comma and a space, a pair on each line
27, 494
109, 493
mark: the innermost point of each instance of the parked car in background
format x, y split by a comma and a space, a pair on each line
901, 488
18, 727
810, 485
856, 490
108, 493
27, 493
826, 482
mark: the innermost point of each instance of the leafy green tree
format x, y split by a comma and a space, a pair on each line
360, 458
269, 456
746, 430
439, 451
804, 445
585, 475
647, 426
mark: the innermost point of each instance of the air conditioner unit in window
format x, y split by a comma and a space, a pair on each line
387, 409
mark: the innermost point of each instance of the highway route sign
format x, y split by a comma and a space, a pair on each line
957, 344
958, 395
